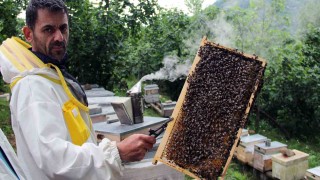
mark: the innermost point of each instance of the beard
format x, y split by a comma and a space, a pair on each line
55, 53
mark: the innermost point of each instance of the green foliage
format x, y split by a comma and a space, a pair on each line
1, 85
311, 49
194, 6
261, 25
97, 36
238, 172
146, 50
291, 91
150, 112
201, 24
4, 88
8, 19
5, 122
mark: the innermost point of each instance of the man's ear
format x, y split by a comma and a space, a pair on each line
27, 33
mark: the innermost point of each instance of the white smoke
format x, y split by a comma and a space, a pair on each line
303, 14
223, 30
172, 69
219, 30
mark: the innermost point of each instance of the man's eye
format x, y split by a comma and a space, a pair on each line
48, 30
63, 29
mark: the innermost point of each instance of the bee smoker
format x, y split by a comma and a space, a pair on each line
137, 103
137, 107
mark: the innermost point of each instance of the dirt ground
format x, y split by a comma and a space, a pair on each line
12, 141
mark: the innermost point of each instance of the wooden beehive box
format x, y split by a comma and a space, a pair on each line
313, 173
245, 149
293, 167
262, 155
211, 111
244, 133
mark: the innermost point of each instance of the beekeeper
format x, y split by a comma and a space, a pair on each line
9, 164
50, 119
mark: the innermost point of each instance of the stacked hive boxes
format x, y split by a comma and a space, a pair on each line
246, 147
263, 152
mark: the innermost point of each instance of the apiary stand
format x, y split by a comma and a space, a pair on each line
313, 173
262, 155
293, 167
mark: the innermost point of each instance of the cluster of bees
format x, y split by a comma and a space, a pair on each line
213, 110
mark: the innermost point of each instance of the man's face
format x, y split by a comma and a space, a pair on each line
51, 33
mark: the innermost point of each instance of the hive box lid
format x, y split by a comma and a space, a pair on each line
94, 109
252, 139
245, 132
315, 171
123, 129
286, 161
151, 86
274, 147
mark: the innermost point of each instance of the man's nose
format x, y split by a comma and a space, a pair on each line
58, 36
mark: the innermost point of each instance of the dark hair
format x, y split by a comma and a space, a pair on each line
34, 5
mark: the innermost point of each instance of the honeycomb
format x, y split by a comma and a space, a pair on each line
216, 105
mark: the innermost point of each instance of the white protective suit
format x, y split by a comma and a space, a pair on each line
12, 157
43, 136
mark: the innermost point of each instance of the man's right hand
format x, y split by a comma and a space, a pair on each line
134, 147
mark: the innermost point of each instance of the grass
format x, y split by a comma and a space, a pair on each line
150, 112
236, 171
5, 122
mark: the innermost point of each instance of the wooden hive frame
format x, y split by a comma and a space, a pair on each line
159, 156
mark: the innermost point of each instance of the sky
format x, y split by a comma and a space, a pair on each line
180, 4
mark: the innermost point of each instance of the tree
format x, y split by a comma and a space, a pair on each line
201, 24
311, 48
98, 33
145, 51
8, 19
262, 24
194, 6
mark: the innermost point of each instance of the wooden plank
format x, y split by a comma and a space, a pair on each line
178, 168
160, 154
231, 154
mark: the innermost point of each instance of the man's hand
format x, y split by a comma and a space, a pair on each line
134, 147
